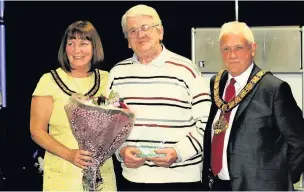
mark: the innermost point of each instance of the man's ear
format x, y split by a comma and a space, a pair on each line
160, 31
253, 49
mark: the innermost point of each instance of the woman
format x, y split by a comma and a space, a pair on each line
80, 51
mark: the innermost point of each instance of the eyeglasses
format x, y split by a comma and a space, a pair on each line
144, 29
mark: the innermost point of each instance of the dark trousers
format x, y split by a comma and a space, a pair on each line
221, 185
125, 185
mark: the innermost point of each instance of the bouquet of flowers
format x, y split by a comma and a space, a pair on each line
100, 125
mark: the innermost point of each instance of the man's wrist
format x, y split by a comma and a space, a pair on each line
179, 158
122, 152
118, 155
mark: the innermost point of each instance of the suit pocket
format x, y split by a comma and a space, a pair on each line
272, 158
264, 140
271, 175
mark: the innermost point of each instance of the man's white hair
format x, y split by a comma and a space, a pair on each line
140, 10
235, 27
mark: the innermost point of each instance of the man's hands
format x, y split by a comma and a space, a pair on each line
128, 154
168, 160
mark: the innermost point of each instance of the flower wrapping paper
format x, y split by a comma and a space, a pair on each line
100, 130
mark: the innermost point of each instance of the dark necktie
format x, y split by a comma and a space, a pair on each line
218, 139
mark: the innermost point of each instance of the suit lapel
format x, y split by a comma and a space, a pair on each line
221, 91
223, 83
248, 98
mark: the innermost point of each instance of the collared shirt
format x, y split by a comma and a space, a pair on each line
158, 61
240, 83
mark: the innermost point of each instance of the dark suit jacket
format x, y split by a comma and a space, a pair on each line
266, 144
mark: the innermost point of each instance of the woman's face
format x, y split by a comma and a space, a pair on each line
79, 52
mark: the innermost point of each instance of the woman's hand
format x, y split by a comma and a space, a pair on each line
80, 158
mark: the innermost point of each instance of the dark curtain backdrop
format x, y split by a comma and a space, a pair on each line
34, 31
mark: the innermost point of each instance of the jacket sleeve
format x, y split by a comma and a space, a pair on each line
288, 118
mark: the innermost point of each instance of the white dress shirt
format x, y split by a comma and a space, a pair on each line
240, 83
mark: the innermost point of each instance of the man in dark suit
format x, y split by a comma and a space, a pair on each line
254, 138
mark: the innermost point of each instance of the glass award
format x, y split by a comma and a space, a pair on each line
147, 149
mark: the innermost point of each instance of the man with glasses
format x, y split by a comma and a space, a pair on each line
171, 102
254, 135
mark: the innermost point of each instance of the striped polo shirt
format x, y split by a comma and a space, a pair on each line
171, 103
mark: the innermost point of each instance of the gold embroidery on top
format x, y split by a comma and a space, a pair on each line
69, 92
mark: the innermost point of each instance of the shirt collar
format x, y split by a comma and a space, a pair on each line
158, 61
242, 78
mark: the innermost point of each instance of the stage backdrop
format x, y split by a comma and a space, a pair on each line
33, 34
